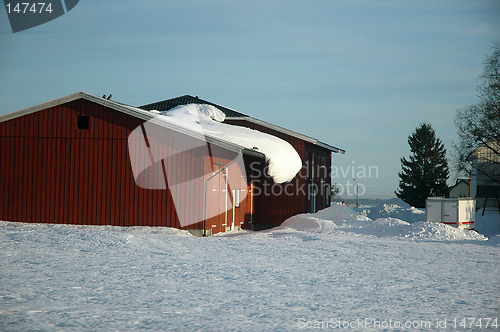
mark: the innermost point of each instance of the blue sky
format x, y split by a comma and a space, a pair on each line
360, 75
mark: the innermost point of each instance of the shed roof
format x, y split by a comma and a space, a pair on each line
168, 104
132, 111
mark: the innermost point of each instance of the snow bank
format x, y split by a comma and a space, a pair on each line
309, 224
383, 227
130, 231
341, 218
341, 213
283, 160
401, 211
440, 232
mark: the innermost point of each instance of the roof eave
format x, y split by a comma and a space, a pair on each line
330, 147
289, 132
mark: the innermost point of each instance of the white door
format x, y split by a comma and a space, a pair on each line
450, 212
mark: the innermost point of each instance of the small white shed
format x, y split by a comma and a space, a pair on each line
458, 212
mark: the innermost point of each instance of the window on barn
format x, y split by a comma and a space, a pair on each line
83, 122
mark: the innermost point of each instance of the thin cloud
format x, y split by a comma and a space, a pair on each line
484, 29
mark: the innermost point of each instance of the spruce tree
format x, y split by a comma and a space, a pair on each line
425, 172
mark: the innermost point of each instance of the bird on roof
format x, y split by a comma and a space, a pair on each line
109, 97
104, 96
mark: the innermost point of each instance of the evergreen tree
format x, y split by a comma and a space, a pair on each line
425, 172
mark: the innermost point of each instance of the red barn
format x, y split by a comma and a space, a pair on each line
85, 160
309, 191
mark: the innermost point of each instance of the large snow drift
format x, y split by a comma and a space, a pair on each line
283, 160
342, 219
395, 209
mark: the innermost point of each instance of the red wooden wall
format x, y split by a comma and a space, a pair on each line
53, 172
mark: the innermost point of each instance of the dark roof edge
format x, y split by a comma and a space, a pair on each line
196, 99
330, 147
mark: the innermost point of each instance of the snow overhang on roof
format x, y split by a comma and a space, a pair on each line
231, 114
290, 132
135, 112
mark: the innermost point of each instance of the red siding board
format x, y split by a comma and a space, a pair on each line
65, 184
119, 219
7, 174
101, 184
66, 170
35, 164
40, 179
127, 188
90, 183
109, 180
29, 177
82, 179
4, 172
23, 203
61, 157
15, 210
13, 180
3, 169
122, 188
20, 183
51, 174
77, 180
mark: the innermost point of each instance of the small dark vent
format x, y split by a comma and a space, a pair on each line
83, 122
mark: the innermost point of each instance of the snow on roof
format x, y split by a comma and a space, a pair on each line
234, 115
283, 160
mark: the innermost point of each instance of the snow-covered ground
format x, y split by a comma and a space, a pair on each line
366, 268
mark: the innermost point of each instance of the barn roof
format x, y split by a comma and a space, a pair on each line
168, 104
132, 111
165, 105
